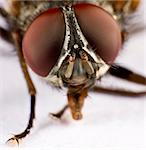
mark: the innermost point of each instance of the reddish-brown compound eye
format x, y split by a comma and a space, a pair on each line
44, 38
100, 30
43, 41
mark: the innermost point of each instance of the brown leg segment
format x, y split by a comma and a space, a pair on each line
127, 74
31, 89
59, 114
6, 35
116, 91
17, 137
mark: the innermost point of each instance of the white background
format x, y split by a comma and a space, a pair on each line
110, 122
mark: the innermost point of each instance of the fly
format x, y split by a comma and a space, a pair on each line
75, 51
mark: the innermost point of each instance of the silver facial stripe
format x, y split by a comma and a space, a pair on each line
69, 12
66, 49
74, 39
82, 38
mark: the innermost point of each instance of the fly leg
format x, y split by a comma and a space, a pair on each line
119, 91
6, 35
13, 35
127, 74
31, 89
59, 114
16, 138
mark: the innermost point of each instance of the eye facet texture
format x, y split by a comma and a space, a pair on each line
43, 41
100, 30
44, 38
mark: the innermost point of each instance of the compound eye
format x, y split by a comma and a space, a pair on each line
100, 30
43, 41
44, 38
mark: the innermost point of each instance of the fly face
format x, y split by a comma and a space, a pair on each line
78, 66
79, 63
